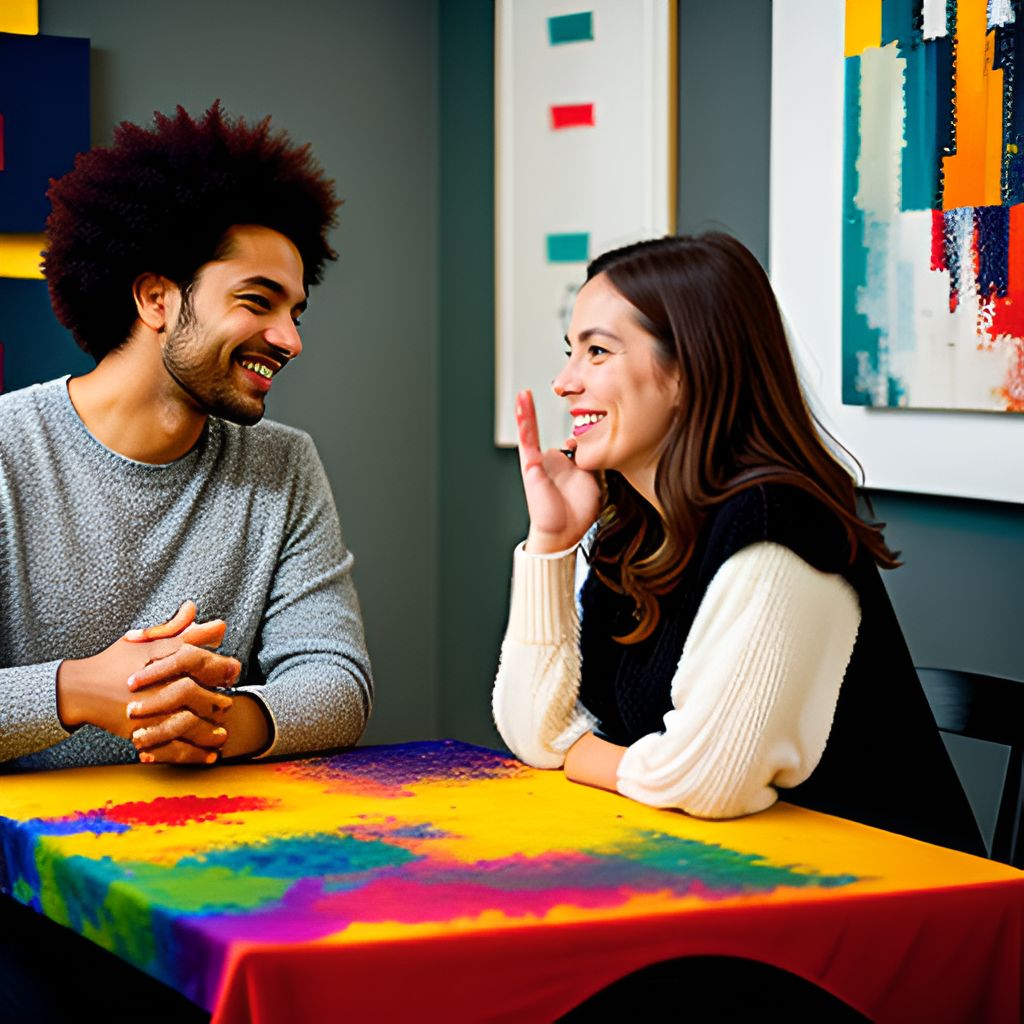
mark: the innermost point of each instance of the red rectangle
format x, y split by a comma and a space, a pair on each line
572, 115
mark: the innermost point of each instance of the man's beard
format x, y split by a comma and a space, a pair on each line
209, 387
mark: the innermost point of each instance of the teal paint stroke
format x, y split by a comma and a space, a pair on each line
568, 248
920, 179
857, 335
898, 23
571, 28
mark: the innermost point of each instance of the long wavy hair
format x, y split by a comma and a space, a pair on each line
742, 419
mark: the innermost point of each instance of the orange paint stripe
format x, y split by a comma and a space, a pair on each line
971, 177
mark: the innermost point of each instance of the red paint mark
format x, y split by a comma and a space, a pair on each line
938, 241
182, 810
572, 115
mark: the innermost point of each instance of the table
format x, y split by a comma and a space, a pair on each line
445, 881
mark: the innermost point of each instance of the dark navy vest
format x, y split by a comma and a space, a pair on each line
884, 764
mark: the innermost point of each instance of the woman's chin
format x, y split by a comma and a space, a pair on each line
587, 460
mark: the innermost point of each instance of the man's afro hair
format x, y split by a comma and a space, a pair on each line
159, 200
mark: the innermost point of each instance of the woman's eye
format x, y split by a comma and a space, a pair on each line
596, 350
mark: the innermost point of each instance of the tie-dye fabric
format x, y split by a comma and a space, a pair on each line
178, 871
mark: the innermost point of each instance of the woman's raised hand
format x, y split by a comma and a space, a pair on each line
563, 499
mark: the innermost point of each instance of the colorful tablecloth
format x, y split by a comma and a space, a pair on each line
440, 880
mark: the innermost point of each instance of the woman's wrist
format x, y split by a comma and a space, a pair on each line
594, 762
539, 543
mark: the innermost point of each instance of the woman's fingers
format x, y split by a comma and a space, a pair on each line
526, 424
181, 620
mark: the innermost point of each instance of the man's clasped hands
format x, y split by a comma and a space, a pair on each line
159, 687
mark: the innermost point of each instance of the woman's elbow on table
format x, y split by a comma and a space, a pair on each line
715, 787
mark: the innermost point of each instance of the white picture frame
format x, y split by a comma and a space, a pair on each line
610, 178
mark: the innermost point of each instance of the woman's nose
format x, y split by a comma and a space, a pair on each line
566, 383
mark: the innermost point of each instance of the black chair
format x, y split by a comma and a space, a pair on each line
986, 708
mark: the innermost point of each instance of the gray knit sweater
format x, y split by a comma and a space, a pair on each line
93, 544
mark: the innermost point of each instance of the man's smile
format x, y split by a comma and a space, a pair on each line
256, 365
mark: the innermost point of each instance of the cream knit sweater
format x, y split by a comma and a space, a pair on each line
753, 695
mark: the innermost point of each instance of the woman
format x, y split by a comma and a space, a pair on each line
733, 636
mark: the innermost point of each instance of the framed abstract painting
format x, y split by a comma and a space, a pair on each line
933, 205
897, 223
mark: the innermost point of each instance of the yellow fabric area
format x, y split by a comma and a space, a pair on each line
20, 255
863, 25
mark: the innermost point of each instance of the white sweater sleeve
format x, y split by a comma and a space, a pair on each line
535, 693
755, 689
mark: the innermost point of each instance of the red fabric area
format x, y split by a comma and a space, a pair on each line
947, 955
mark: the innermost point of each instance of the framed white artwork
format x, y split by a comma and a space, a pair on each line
585, 162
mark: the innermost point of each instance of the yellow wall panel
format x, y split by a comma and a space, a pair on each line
20, 16
20, 255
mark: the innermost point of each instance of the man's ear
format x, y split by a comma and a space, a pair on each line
157, 300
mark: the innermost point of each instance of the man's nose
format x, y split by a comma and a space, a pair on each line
284, 335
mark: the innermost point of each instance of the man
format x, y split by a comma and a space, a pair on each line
180, 257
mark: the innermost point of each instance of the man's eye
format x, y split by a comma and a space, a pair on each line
297, 322
256, 300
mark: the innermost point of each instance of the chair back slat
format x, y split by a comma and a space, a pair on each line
986, 708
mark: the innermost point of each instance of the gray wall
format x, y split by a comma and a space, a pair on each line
359, 81
725, 91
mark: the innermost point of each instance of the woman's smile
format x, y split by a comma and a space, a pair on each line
584, 420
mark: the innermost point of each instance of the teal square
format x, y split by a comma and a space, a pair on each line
571, 28
569, 248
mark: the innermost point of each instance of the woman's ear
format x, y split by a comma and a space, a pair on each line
156, 300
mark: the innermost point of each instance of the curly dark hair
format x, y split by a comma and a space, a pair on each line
160, 200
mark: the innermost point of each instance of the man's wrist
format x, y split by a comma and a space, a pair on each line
249, 729
72, 687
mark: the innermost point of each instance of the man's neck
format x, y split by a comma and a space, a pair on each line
130, 404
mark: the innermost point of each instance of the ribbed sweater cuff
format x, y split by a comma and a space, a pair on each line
542, 609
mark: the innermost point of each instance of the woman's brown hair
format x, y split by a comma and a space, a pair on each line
742, 419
